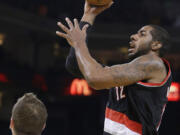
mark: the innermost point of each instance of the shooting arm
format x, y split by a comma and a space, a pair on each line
100, 77
71, 61
88, 17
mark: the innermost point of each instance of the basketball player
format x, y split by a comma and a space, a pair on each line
29, 116
138, 89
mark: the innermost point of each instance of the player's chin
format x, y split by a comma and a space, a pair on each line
132, 55
131, 52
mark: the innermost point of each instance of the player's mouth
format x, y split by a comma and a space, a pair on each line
131, 47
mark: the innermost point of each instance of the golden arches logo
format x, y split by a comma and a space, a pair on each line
80, 87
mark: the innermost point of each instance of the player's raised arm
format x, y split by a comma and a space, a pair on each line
88, 17
100, 77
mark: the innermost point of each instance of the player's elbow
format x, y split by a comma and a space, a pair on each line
94, 83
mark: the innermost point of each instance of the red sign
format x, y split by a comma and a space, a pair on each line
80, 87
174, 93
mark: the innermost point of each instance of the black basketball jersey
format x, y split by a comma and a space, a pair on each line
137, 109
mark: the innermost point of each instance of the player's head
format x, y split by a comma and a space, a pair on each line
160, 35
29, 116
149, 38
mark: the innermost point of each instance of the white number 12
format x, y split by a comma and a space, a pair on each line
119, 92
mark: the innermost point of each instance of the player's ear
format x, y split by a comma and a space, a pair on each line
156, 45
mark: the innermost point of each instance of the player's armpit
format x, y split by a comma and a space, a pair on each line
139, 69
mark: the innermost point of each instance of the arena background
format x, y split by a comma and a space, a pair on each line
32, 59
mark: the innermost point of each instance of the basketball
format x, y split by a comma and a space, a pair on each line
98, 2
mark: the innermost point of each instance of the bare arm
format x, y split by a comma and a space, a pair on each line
88, 17
98, 77
71, 61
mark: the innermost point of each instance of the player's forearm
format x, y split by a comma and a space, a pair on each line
87, 17
89, 67
71, 62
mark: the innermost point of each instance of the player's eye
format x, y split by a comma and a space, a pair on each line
142, 33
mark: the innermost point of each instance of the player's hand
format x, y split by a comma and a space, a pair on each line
90, 12
73, 34
95, 10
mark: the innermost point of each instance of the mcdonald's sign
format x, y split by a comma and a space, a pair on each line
174, 92
80, 87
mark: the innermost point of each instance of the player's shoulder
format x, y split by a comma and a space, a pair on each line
148, 63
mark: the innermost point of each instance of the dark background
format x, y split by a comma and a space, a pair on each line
32, 58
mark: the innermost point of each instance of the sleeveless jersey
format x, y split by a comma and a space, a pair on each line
137, 109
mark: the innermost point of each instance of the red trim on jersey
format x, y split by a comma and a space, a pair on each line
163, 82
123, 119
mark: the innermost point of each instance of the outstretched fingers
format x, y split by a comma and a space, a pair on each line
70, 24
76, 24
61, 34
63, 27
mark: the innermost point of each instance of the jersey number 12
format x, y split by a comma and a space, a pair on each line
119, 92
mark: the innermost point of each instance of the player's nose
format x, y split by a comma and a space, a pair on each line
133, 37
